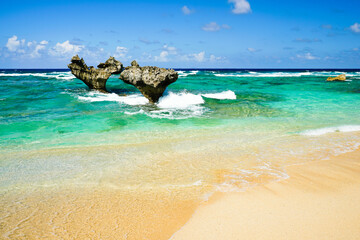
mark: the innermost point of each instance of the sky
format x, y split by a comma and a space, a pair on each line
182, 34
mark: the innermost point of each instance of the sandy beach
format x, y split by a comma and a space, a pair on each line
320, 200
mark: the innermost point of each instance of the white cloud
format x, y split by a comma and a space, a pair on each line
186, 10
121, 52
214, 27
170, 49
211, 27
240, 6
213, 58
167, 50
13, 43
355, 28
307, 56
200, 57
162, 57
65, 49
38, 48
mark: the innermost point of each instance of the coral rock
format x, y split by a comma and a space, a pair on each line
341, 77
151, 81
92, 77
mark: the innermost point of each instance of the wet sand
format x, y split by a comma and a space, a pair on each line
320, 200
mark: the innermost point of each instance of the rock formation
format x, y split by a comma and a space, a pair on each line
151, 81
341, 77
92, 77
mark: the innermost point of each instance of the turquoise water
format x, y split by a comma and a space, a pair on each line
208, 120
52, 109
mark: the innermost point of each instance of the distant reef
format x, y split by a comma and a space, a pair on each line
151, 81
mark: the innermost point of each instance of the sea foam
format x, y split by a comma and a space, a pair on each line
57, 75
322, 131
223, 95
135, 99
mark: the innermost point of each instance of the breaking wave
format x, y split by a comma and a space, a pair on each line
95, 96
171, 106
57, 75
287, 74
223, 95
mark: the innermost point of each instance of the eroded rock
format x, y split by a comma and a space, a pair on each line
92, 77
341, 77
151, 81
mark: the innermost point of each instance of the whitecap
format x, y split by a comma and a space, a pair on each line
93, 96
180, 100
322, 131
222, 95
187, 73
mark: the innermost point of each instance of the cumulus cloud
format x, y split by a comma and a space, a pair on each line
214, 27
170, 53
13, 43
121, 52
38, 48
166, 51
307, 56
240, 6
199, 57
355, 28
65, 49
186, 10
162, 57
21, 48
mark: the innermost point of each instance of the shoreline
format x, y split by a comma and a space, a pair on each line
135, 212
318, 201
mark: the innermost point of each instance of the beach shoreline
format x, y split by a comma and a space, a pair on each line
318, 201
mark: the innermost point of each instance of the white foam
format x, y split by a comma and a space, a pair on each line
94, 96
180, 101
170, 106
187, 73
285, 74
322, 131
223, 95
57, 75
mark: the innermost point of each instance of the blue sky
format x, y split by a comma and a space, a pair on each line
182, 34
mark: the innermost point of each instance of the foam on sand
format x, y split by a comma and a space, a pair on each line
322, 131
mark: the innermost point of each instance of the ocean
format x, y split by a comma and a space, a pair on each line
213, 130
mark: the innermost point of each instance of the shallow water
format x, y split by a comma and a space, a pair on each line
212, 130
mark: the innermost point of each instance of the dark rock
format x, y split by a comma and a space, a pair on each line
112, 65
151, 81
92, 77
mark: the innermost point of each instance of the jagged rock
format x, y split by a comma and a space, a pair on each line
92, 77
151, 81
341, 77
112, 65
